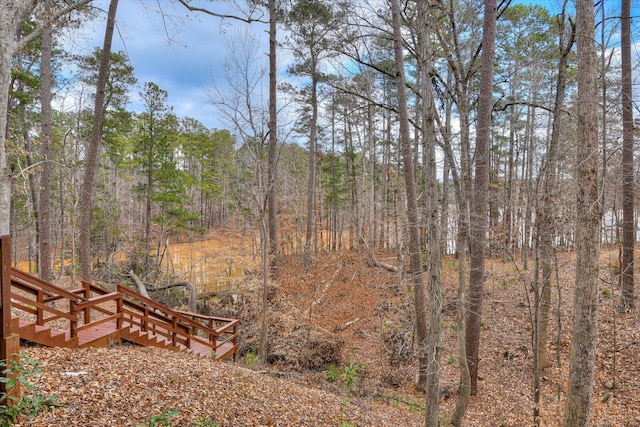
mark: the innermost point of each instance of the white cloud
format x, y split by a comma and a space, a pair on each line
176, 49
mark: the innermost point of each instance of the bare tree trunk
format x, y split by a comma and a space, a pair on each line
32, 177
264, 324
628, 227
461, 248
546, 215
434, 337
415, 253
478, 223
589, 215
88, 191
273, 145
312, 167
43, 217
12, 14
464, 394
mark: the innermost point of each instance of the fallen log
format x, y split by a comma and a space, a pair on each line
144, 290
193, 299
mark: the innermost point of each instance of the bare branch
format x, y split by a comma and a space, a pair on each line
249, 19
26, 40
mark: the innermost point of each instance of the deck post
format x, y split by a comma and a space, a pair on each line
87, 295
9, 343
174, 334
235, 343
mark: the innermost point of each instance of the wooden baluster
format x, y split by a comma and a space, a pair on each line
39, 310
174, 333
235, 342
87, 295
73, 329
119, 320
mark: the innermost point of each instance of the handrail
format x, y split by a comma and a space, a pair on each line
175, 334
204, 316
233, 324
228, 323
167, 310
39, 306
169, 320
229, 328
30, 279
43, 292
96, 300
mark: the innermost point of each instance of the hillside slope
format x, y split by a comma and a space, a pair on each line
124, 386
370, 311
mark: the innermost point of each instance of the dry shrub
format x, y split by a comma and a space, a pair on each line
292, 344
398, 331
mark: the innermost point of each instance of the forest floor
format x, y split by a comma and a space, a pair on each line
370, 312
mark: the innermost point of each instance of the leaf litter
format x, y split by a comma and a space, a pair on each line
125, 386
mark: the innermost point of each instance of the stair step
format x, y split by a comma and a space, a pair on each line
102, 335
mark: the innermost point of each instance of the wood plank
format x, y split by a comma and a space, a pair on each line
87, 336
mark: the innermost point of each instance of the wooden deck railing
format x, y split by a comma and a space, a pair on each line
149, 316
219, 330
90, 306
44, 293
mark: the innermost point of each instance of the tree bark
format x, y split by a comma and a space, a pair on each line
88, 191
312, 166
589, 215
546, 215
12, 14
142, 289
273, 144
43, 217
479, 204
628, 227
415, 253
464, 394
434, 337
28, 155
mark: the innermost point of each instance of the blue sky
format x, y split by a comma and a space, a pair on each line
182, 52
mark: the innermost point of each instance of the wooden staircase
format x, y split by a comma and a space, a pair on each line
93, 317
